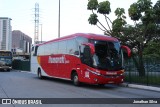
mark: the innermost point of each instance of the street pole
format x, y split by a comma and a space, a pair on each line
41, 33
59, 20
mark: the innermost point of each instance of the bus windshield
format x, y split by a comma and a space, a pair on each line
108, 55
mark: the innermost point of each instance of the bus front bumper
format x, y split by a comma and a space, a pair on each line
95, 78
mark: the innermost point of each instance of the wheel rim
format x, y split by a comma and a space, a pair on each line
39, 74
75, 79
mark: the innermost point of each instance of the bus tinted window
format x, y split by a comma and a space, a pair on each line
72, 47
81, 40
62, 47
54, 48
47, 49
35, 52
40, 50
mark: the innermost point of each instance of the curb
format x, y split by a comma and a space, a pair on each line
141, 87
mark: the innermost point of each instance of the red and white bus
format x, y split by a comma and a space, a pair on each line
87, 58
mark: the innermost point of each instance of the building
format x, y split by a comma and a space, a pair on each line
5, 33
21, 42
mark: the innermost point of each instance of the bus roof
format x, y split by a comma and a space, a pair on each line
85, 35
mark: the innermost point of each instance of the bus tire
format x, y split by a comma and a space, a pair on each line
8, 70
75, 79
101, 85
39, 74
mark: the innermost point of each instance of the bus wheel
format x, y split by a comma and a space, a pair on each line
39, 74
75, 79
8, 70
101, 85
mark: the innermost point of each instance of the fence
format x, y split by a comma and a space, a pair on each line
152, 72
21, 65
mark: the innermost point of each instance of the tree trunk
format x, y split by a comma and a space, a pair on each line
141, 66
138, 61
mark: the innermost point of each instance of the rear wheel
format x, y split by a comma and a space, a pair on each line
8, 70
75, 79
39, 74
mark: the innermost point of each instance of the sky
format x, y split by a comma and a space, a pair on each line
74, 16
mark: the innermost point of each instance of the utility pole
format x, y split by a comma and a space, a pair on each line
59, 17
41, 32
36, 27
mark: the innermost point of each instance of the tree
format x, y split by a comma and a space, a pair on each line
152, 50
119, 23
103, 8
145, 29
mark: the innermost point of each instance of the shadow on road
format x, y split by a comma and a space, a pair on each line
4, 71
82, 85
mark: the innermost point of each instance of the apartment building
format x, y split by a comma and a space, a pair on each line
5, 33
21, 42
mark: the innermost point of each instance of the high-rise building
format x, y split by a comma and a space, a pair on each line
21, 41
5, 33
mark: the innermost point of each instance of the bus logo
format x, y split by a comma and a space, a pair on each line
61, 59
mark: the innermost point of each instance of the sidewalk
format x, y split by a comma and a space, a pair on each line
141, 87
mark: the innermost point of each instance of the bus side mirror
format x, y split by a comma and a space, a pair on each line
127, 50
91, 46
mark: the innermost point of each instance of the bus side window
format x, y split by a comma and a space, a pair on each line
54, 48
72, 47
62, 47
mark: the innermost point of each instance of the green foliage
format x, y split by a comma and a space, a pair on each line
104, 7
134, 12
92, 5
119, 12
144, 5
146, 29
93, 19
157, 7
152, 50
118, 24
157, 11
149, 17
99, 8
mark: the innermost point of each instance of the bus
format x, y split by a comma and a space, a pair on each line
5, 60
81, 58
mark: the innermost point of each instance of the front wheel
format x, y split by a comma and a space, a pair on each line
75, 79
101, 85
8, 70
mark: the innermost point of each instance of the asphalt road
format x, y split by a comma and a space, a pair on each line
26, 85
